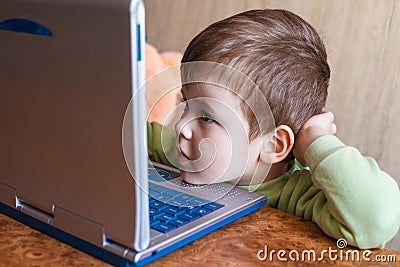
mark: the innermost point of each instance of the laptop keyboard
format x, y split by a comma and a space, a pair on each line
170, 209
160, 174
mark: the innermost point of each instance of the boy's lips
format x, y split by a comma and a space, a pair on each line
182, 153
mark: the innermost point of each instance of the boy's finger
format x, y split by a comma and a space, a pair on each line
333, 128
329, 115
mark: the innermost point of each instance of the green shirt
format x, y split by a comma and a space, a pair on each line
344, 193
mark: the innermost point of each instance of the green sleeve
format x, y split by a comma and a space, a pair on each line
359, 202
161, 143
344, 193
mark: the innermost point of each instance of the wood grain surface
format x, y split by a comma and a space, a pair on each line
236, 244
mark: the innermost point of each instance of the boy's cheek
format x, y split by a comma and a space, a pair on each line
187, 178
222, 163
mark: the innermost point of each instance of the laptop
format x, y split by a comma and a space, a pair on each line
69, 70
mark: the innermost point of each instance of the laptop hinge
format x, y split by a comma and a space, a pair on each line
79, 226
119, 249
34, 212
8, 195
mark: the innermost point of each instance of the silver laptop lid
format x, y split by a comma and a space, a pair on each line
68, 72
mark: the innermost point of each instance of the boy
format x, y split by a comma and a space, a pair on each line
347, 195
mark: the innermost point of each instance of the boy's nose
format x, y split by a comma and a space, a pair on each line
183, 129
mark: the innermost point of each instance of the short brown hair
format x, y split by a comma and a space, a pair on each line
280, 52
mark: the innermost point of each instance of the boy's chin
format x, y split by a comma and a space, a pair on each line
197, 179
192, 178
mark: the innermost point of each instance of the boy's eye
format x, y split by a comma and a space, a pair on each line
206, 118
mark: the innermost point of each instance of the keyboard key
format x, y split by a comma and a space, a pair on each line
188, 216
188, 208
173, 174
154, 213
157, 188
161, 175
201, 211
153, 222
164, 227
178, 222
213, 206
155, 176
176, 202
184, 197
167, 174
172, 210
157, 205
165, 217
162, 198
197, 202
153, 193
171, 193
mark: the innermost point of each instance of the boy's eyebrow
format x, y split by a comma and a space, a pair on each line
205, 103
202, 100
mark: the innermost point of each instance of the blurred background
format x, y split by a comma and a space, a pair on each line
362, 39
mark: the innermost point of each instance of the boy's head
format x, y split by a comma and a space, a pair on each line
281, 53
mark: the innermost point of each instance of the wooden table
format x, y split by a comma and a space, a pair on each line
236, 244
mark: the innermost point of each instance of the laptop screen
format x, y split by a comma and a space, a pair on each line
69, 70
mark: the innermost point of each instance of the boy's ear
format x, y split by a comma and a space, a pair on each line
276, 148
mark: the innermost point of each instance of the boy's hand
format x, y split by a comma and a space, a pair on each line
317, 126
